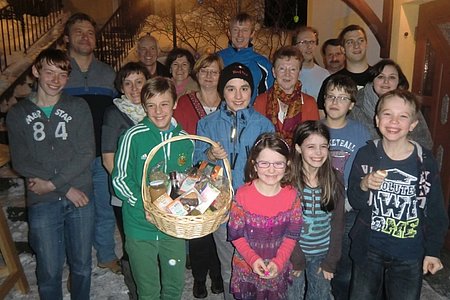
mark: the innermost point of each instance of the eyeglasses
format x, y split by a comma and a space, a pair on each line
265, 164
205, 72
306, 43
337, 99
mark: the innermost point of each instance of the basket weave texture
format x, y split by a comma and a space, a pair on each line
186, 227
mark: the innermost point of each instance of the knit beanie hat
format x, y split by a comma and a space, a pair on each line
235, 70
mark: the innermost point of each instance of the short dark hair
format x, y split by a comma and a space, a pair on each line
406, 95
158, 85
78, 17
379, 66
177, 53
329, 42
352, 27
54, 57
126, 70
342, 82
287, 51
272, 141
302, 29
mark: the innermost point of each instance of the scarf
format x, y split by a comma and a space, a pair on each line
293, 115
134, 111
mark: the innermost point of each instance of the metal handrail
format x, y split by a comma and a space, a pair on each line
23, 23
116, 37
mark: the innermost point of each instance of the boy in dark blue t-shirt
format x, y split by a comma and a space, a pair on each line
401, 224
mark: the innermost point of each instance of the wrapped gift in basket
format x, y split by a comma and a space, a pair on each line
201, 207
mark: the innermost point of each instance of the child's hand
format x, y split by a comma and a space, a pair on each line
296, 273
373, 180
40, 186
273, 270
431, 264
260, 268
216, 152
77, 197
326, 275
147, 216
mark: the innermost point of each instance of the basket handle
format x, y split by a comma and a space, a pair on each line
155, 149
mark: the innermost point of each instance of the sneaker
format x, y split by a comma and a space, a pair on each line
114, 266
199, 290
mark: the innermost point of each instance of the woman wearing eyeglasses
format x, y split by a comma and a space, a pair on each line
190, 108
284, 104
193, 106
180, 62
387, 76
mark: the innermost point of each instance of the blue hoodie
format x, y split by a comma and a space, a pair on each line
217, 126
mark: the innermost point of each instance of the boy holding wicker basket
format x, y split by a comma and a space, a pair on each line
157, 260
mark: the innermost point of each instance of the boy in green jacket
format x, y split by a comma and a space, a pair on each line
157, 260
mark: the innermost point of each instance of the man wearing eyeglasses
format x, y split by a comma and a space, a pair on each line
354, 40
311, 75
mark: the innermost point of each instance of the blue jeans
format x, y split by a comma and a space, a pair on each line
341, 282
402, 279
317, 287
105, 222
58, 228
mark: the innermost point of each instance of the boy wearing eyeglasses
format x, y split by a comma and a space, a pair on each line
346, 137
235, 126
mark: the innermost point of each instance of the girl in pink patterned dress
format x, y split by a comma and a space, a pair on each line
265, 223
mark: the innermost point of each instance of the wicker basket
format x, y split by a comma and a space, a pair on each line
186, 227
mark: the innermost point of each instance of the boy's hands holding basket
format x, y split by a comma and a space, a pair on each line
216, 152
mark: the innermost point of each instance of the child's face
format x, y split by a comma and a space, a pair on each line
51, 79
286, 72
314, 151
272, 174
132, 86
338, 107
237, 94
159, 109
386, 81
396, 119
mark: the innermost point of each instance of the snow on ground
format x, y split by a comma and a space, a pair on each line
105, 284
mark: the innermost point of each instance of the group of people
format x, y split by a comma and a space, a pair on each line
337, 193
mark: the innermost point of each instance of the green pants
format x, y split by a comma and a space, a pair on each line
157, 267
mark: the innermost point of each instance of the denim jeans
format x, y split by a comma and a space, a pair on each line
58, 228
402, 279
317, 287
341, 282
225, 252
105, 222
